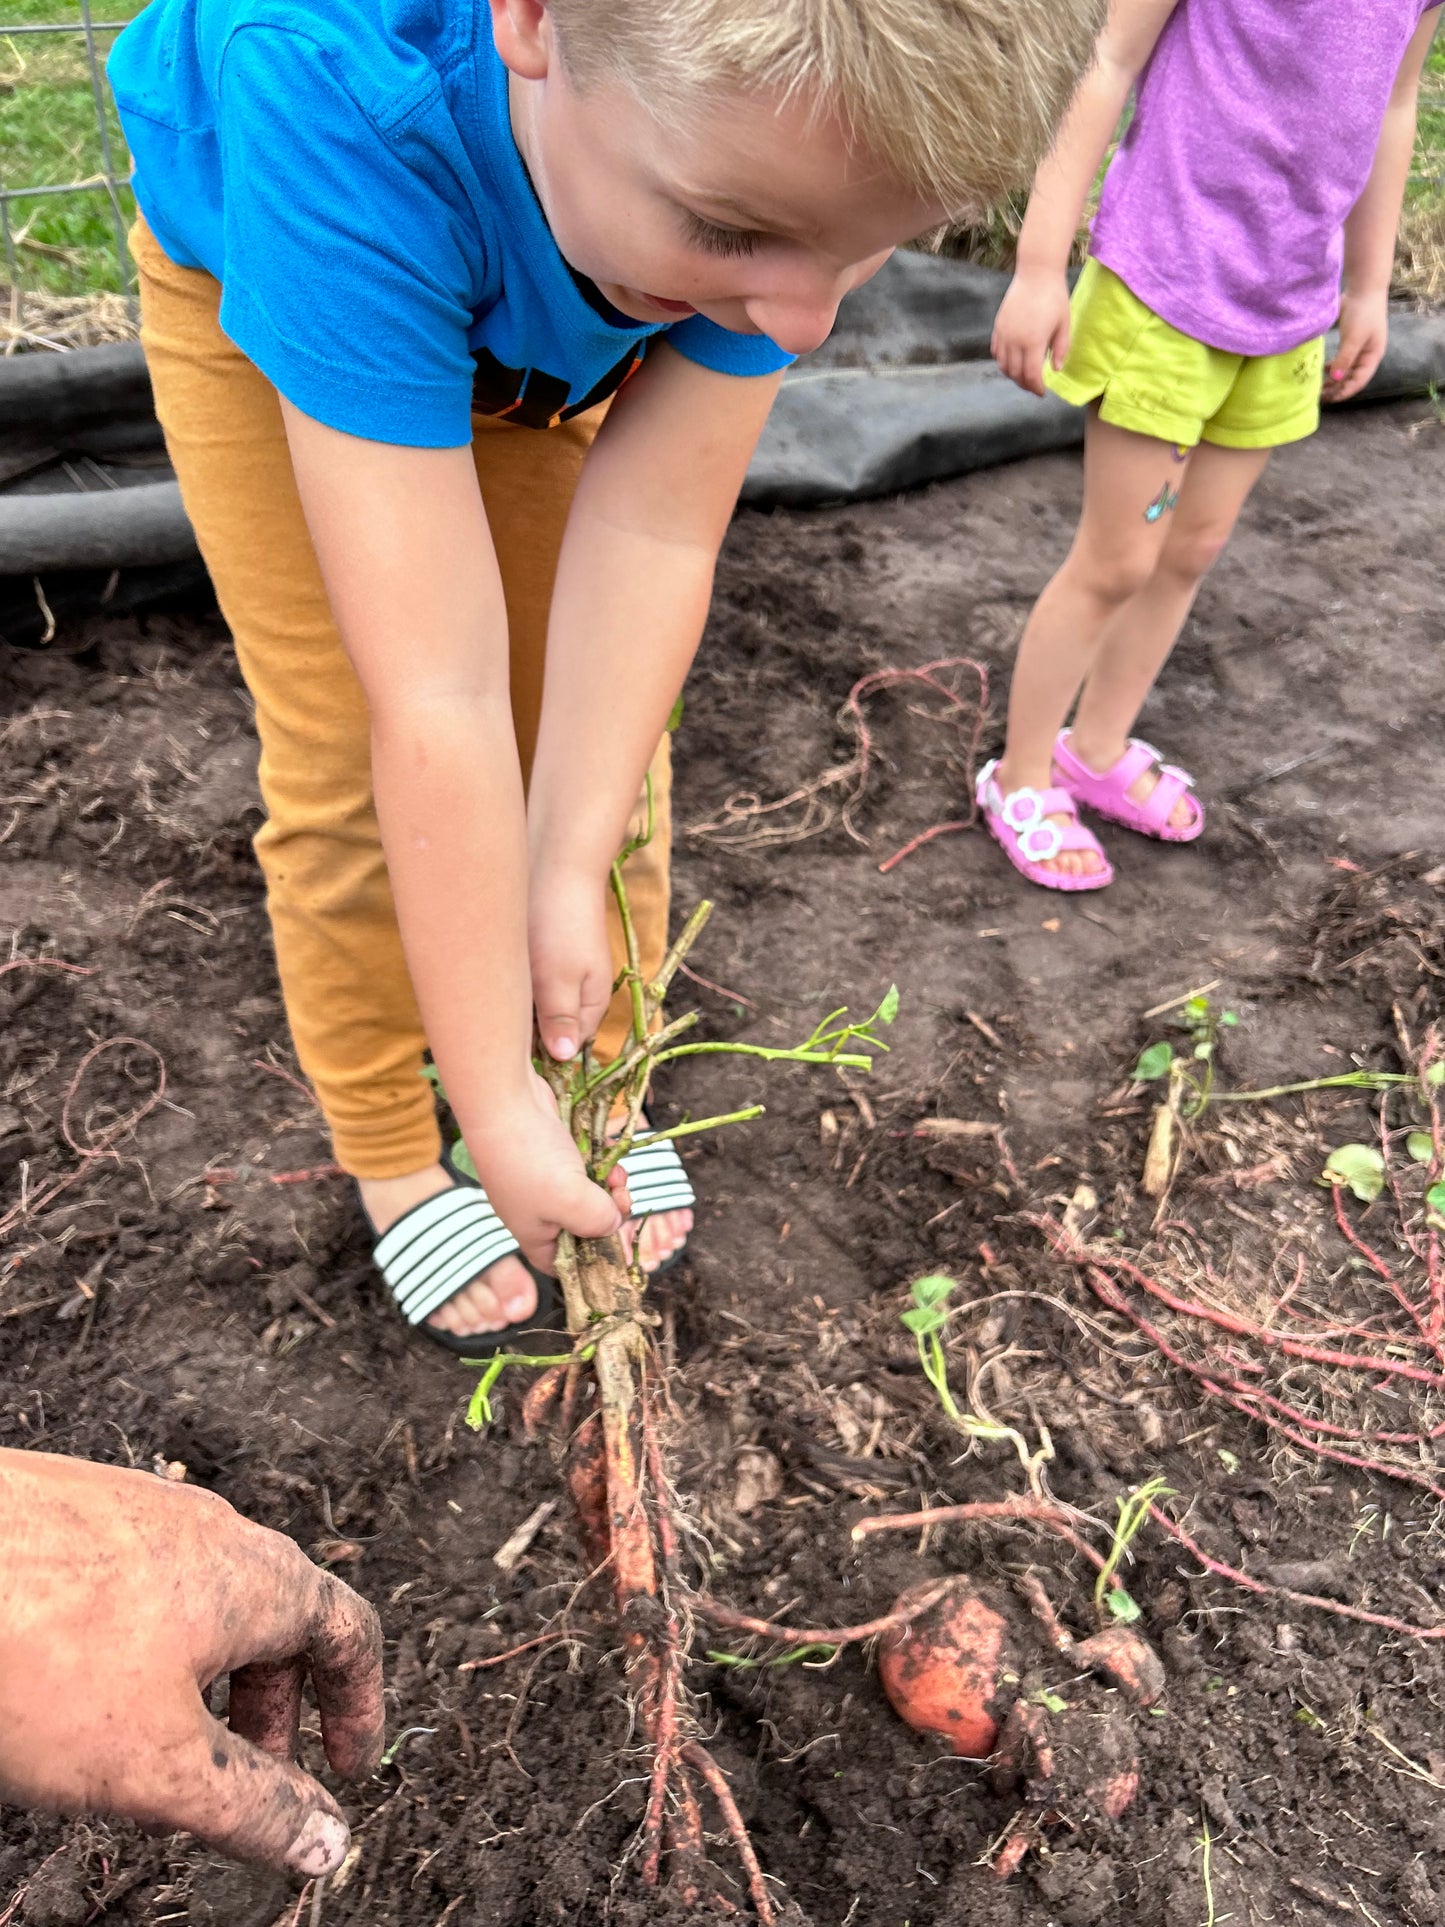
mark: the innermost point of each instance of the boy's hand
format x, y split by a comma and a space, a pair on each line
122, 1596
1364, 333
1032, 321
535, 1178
571, 959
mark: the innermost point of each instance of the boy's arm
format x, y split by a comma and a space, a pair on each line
1371, 227
403, 544
633, 584
1033, 320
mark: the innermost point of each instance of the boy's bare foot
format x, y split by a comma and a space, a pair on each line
663, 1234
506, 1292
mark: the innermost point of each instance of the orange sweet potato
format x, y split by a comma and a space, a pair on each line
943, 1671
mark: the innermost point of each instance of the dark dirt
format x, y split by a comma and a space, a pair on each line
147, 1312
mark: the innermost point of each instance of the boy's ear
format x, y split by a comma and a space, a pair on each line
523, 35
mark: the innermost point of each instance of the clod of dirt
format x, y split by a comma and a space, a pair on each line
226, 1895
943, 1671
55, 1893
1080, 1887
1074, 1760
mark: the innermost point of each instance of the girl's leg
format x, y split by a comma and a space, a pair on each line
1130, 485
1137, 641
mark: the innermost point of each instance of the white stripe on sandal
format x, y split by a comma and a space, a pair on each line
437, 1247
657, 1180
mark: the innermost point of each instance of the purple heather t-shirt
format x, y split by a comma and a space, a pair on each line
1253, 136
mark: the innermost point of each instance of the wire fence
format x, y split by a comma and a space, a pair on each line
65, 200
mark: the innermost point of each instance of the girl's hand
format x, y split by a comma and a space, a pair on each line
534, 1175
571, 958
1032, 321
1364, 333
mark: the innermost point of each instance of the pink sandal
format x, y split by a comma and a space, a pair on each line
1019, 823
1107, 792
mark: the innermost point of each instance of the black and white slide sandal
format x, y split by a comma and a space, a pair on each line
440, 1245
657, 1181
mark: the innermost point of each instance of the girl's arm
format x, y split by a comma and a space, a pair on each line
633, 584
404, 548
1034, 318
1371, 228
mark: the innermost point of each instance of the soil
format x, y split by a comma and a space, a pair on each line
149, 1312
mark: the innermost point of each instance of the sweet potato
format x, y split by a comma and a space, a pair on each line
944, 1671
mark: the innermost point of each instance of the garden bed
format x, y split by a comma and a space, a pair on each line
164, 1296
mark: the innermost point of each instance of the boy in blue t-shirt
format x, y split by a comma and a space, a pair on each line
399, 259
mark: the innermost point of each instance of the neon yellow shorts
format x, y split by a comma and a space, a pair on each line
1148, 377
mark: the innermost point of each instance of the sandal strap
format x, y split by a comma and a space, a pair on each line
1023, 816
439, 1246
1022, 808
657, 1179
1159, 805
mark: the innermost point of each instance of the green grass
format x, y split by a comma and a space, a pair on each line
65, 244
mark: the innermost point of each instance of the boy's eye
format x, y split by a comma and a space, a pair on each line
730, 242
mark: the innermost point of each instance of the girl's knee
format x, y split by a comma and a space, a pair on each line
1189, 554
1112, 577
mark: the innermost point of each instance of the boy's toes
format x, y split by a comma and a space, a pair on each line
505, 1294
663, 1236
1182, 815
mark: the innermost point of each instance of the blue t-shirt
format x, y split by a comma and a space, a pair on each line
347, 172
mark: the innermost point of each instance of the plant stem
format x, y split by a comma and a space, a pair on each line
848, 1060
625, 1145
1345, 1081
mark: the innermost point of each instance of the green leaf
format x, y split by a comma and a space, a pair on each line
1360, 1166
1227, 1459
1421, 1146
1153, 1063
1196, 1009
1435, 1201
1051, 1702
674, 721
433, 1077
935, 1289
1122, 1606
462, 1159
923, 1319
1229, 1018
888, 1009
1205, 1050
1435, 1076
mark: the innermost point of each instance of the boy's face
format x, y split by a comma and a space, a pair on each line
754, 215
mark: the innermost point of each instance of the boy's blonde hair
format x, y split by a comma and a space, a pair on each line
957, 99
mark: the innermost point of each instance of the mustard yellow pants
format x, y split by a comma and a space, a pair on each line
349, 999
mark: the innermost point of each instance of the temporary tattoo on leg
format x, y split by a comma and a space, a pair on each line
1182, 454
1162, 503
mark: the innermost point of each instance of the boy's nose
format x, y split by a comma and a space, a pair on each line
800, 318
798, 325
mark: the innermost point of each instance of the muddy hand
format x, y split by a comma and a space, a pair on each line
122, 1597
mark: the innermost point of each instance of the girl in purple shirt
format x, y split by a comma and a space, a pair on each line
1253, 202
